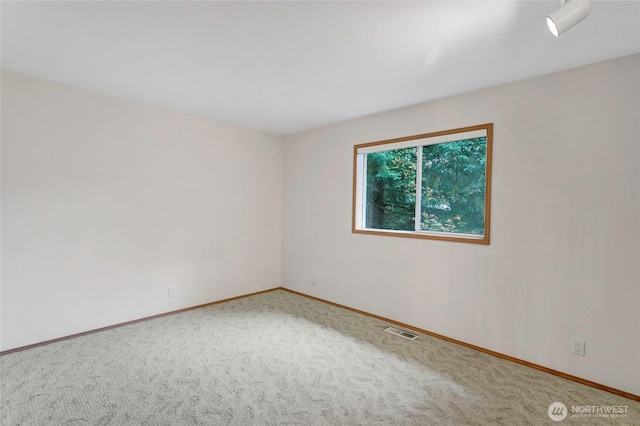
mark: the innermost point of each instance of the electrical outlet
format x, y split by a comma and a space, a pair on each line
577, 347
313, 280
172, 292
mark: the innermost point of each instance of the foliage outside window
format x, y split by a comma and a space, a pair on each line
434, 185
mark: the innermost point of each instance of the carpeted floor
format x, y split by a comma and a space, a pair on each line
279, 359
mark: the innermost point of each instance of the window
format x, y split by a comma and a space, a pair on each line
434, 185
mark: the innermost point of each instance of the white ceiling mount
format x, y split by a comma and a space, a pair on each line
571, 12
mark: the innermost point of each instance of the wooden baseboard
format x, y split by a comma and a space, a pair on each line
480, 349
97, 330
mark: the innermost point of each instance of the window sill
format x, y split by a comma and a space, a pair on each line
427, 235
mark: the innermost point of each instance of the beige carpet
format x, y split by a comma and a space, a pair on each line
279, 359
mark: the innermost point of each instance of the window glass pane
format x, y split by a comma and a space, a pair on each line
391, 189
453, 186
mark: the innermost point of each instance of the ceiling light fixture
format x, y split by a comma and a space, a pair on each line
570, 13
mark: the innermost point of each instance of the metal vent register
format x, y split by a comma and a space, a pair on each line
401, 333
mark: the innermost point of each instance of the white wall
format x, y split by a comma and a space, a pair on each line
108, 202
564, 257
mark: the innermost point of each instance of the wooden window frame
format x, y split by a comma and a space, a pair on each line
407, 141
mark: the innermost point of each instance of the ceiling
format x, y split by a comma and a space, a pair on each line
286, 67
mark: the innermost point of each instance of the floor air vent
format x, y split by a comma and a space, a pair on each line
401, 333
